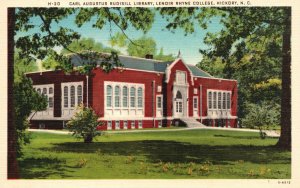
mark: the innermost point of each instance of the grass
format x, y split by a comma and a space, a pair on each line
197, 154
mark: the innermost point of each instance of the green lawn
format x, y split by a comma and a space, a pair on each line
148, 155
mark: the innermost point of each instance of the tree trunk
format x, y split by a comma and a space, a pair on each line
285, 138
12, 164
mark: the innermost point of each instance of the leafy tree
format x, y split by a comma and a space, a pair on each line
26, 100
240, 24
22, 66
41, 40
261, 116
84, 124
141, 47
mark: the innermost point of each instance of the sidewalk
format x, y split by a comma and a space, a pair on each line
269, 133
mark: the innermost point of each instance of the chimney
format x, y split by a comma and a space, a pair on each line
149, 56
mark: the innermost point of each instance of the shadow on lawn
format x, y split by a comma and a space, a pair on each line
175, 152
49, 166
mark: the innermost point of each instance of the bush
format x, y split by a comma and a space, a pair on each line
84, 124
261, 116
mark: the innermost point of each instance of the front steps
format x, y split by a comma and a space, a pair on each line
192, 122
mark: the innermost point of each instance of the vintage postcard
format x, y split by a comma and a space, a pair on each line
149, 93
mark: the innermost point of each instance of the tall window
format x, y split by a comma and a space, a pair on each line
228, 100
195, 103
44, 91
219, 100
66, 95
159, 99
125, 96
132, 97
39, 90
79, 94
140, 97
50, 98
224, 101
215, 100
117, 96
209, 100
72, 92
108, 96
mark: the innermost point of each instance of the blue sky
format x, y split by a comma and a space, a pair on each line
171, 42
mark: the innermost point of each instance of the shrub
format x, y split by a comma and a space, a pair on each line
84, 124
261, 116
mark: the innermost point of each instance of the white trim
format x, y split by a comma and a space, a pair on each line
161, 107
70, 110
214, 78
139, 70
197, 108
49, 111
216, 113
168, 70
124, 111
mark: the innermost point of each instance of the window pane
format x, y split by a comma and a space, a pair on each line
195, 103
228, 100
72, 92
224, 101
50, 90
79, 94
108, 96
50, 102
132, 97
215, 100
66, 97
44, 91
125, 96
117, 96
39, 90
158, 102
209, 100
219, 100
140, 97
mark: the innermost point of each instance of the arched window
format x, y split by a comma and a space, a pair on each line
140, 97
125, 96
219, 100
132, 97
209, 100
224, 101
108, 96
117, 96
50, 90
228, 100
66, 97
79, 94
72, 92
178, 95
44, 91
215, 100
39, 90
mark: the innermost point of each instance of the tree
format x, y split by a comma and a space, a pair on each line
41, 40
141, 47
238, 24
84, 124
261, 116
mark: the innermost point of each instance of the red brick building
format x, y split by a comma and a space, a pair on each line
145, 93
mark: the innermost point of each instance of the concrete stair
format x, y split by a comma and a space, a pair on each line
192, 122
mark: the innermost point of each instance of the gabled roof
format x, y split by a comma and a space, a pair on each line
146, 64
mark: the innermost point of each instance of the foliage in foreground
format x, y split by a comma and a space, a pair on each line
26, 100
84, 124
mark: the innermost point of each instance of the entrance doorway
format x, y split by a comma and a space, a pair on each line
178, 105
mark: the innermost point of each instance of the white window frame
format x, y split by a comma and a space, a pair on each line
117, 123
125, 122
140, 124
69, 84
179, 79
159, 89
48, 95
223, 108
109, 125
195, 97
195, 91
161, 105
129, 86
132, 124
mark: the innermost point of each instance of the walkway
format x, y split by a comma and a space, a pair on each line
269, 133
